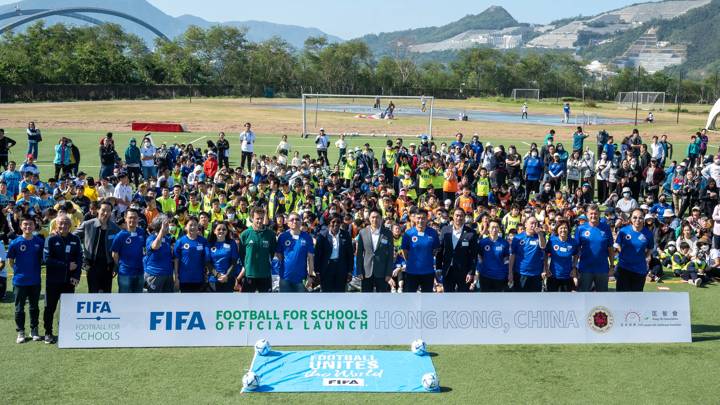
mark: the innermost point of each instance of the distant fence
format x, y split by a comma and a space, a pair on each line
89, 92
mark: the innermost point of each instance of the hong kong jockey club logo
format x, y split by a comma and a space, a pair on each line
600, 319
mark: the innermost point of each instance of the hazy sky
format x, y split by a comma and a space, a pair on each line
352, 18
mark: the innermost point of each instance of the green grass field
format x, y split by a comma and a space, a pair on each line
650, 373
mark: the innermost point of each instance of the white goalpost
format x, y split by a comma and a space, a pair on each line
373, 115
526, 94
644, 99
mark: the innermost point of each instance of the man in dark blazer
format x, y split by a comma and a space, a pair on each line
375, 256
97, 235
458, 254
334, 256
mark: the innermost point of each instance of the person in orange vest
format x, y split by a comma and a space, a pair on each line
465, 202
450, 185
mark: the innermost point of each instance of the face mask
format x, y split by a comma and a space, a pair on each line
172, 229
534, 154
626, 195
231, 216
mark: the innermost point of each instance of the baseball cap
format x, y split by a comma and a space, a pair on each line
649, 216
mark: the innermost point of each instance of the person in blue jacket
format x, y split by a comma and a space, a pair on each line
190, 259
635, 244
533, 169
223, 255
296, 252
527, 257
127, 251
24, 256
158, 261
419, 245
494, 274
561, 249
63, 256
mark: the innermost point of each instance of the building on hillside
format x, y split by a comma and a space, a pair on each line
651, 54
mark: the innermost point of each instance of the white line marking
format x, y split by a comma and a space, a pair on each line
525, 143
199, 139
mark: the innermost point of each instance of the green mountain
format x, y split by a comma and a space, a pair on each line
386, 43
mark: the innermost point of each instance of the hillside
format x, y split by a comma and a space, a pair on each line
493, 18
170, 26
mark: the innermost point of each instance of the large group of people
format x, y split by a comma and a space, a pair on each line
432, 217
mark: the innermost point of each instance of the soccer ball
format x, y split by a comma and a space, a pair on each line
251, 381
262, 347
418, 347
430, 382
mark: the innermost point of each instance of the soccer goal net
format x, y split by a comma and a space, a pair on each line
644, 99
526, 94
367, 115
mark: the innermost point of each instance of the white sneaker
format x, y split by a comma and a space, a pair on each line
698, 282
393, 290
20, 337
35, 335
399, 290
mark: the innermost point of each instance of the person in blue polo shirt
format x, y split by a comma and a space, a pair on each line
24, 257
419, 244
63, 256
495, 275
561, 249
158, 262
596, 253
190, 259
223, 254
635, 243
296, 253
527, 257
127, 252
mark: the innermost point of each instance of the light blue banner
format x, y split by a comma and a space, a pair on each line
341, 370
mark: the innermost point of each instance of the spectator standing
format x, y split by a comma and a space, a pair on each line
458, 254
5, 144
24, 257
334, 256
34, 137
375, 255
419, 245
97, 235
158, 262
321, 145
223, 151
63, 258
295, 251
127, 253
247, 144
133, 160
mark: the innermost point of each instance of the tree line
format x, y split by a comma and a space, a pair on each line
223, 56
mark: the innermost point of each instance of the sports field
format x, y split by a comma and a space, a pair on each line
650, 373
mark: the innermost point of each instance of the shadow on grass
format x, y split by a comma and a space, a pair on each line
445, 389
709, 332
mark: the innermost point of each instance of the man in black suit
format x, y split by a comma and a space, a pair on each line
458, 254
334, 256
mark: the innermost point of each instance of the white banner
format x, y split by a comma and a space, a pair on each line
164, 320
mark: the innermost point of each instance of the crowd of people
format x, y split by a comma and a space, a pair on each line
432, 217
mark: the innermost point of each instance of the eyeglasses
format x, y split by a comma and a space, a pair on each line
636, 217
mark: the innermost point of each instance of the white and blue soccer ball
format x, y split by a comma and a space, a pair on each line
262, 347
251, 381
430, 382
418, 347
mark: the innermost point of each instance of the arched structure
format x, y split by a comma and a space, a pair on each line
72, 12
713, 116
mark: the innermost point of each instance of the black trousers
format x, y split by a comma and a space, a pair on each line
223, 160
492, 285
555, 285
58, 168
262, 285
52, 297
246, 156
530, 284
424, 281
4, 161
333, 278
322, 156
454, 281
31, 294
628, 280
3, 287
100, 277
192, 287
374, 284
